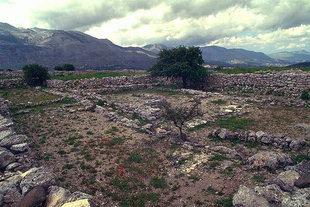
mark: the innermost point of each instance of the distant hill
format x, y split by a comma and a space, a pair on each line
55, 47
300, 65
236, 57
292, 57
155, 48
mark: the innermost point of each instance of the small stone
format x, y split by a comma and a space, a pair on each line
266, 139
269, 159
12, 166
6, 158
18, 148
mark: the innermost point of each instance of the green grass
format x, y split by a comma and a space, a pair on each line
158, 182
100, 74
218, 157
134, 158
299, 158
219, 101
234, 123
251, 144
225, 202
257, 69
259, 178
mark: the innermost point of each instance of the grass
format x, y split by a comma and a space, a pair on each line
218, 157
299, 158
100, 74
134, 158
235, 123
257, 69
219, 101
158, 182
259, 178
225, 202
251, 144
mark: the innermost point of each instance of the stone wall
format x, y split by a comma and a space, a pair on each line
289, 82
108, 82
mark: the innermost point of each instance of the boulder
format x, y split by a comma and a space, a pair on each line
300, 198
13, 140
56, 196
303, 181
12, 166
38, 176
269, 159
245, 197
5, 133
267, 139
6, 158
12, 197
231, 153
78, 203
296, 145
272, 193
33, 198
286, 180
226, 134
260, 134
252, 136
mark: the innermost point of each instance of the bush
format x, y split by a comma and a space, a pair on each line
35, 75
305, 95
65, 67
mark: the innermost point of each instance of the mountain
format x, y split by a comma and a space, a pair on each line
155, 48
300, 65
235, 57
292, 57
55, 47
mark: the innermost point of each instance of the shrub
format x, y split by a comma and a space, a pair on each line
305, 95
65, 67
179, 115
35, 75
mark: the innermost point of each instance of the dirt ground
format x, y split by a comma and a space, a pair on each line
122, 166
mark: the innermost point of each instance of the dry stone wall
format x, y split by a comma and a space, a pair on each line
287, 82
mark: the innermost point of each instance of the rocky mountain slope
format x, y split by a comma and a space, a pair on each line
54, 47
292, 57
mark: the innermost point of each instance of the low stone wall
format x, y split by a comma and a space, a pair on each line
109, 82
11, 83
287, 82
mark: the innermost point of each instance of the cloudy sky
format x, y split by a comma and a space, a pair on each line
261, 25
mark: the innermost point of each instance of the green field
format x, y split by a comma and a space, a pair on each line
100, 74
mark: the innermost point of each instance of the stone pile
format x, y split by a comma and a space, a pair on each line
276, 140
290, 188
21, 183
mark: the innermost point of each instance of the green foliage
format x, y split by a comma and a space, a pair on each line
65, 67
299, 158
35, 75
134, 158
158, 182
259, 178
218, 157
305, 95
225, 202
235, 123
181, 62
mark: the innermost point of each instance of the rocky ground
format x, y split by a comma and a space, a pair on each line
245, 149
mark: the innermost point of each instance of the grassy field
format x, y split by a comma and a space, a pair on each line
257, 69
100, 74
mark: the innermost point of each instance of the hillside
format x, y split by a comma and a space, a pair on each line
54, 47
292, 57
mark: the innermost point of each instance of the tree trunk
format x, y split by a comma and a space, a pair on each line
182, 135
184, 80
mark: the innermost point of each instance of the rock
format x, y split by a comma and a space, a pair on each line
245, 197
303, 181
12, 197
300, 198
296, 145
6, 133
243, 136
12, 166
267, 139
272, 193
1, 199
231, 153
222, 133
226, 134
6, 158
78, 203
303, 126
57, 196
18, 148
13, 140
269, 159
303, 168
33, 198
251, 136
38, 176
286, 180
260, 134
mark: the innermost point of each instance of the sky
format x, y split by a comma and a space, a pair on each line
261, 25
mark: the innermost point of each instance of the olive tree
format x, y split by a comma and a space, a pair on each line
35, 75
180, 114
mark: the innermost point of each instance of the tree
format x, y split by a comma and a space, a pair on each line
182, 62
179, 115
35, 75
58, 68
